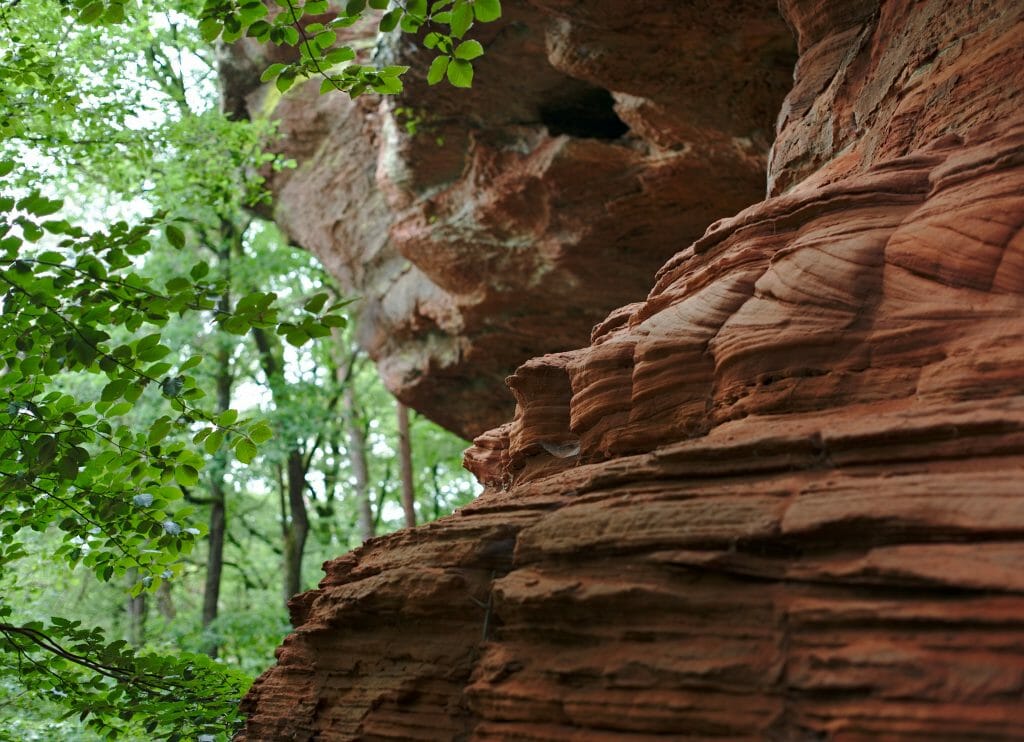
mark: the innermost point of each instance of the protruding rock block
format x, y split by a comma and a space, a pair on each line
481, 228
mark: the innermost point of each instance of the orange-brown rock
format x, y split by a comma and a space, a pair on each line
797, 507
483, 227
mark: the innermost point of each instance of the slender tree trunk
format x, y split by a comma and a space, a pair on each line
165, 602
405, 465
295, 542
218, 499
437, 491
214, 560
357, 455
136, 608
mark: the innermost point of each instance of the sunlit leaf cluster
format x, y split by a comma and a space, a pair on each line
312, 27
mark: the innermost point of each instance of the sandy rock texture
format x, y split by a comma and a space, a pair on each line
780, 498
484, 227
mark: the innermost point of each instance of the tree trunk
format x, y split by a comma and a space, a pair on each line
405, 465
214, 561
218, 500
136, 615
165, 602
298, 529
357, 454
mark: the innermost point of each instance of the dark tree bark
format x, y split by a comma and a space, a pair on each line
298, 528
405, 465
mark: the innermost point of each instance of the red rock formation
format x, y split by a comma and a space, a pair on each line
467, 236
794, 510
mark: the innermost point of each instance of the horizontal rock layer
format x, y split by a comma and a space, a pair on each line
782, 497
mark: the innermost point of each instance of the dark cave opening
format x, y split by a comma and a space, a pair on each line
586, 114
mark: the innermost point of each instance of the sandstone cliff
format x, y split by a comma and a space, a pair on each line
778, 498
484, 227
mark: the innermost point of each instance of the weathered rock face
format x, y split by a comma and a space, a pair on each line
521, 212
796, 507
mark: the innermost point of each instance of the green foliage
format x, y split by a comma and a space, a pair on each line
287, 22
114, 689
70, 305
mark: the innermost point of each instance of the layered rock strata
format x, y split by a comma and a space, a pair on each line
781, 498
481, 228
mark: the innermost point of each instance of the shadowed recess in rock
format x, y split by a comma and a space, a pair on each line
590, 114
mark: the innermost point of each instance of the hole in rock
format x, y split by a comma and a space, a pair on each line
584, 114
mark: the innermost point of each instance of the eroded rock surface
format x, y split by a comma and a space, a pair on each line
797, 505
511, 218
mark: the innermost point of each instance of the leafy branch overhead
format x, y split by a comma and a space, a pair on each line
312, 26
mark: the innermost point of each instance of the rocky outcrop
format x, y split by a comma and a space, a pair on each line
777, 499
481, 228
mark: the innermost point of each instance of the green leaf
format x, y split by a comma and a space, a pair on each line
469, 50
388, 86
175, 236
389, 21
315, 303
37, 204
272, 71
379, 4
6, 166
199, 270
487, 10
245, 450
296, 336
114, 14
192, 362
261, 433
209, 29
227, 418
121, 408
460, 73
114, 390
285, 81
186, 475
410, 23
326, 39
462, 19
339, 55
437, 69
355, 7
213, 442
91, 12
159, 430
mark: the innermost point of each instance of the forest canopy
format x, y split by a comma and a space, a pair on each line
187, 425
